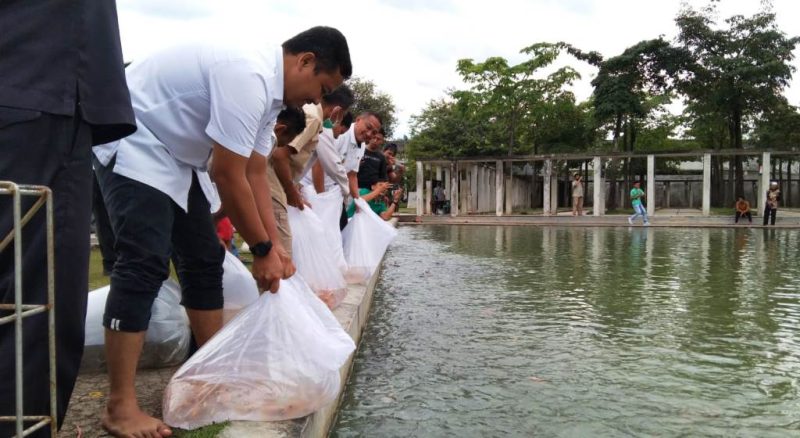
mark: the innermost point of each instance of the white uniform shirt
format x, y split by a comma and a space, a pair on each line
330, 155
352, 151
187, 98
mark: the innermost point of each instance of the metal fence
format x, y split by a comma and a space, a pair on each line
18, 311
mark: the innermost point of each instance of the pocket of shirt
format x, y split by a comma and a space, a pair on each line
11, 116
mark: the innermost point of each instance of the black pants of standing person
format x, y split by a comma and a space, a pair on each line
740, 215
770, 214
55, 151
103, 231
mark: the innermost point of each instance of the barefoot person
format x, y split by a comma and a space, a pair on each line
192, 103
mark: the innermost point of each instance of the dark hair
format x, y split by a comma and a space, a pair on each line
391, 146
347, 120
294, 119
327, 44
342, 97
382, 131
371, 114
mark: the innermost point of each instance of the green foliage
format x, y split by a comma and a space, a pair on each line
369, 98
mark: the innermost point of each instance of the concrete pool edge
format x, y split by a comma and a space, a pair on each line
604, 221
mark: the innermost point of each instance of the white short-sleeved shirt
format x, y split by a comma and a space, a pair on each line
187, 98
351, 150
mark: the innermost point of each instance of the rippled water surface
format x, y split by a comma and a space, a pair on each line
482, 331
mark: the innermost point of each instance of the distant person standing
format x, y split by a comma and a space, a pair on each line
771, 207
637, 194
743, 210
62, 90
577, 196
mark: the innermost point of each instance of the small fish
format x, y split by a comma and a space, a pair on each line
536, 379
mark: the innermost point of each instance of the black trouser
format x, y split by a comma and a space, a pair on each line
343, 219
103, 230
770, 212
148, 226
51, 150
740, 215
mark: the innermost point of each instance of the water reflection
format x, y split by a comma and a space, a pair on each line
481, 331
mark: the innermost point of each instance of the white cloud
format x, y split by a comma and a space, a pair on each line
410, 47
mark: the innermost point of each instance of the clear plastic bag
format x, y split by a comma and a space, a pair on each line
328, 207
312, 255
366, 238
278, 359
239, 288
166, 341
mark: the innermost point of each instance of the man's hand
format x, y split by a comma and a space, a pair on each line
267, 271
286, 261
294, 198
398, 195
382, 187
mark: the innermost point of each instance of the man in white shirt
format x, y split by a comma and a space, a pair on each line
191, 104
327, 172
289, 163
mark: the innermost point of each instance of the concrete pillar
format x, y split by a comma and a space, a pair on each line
598, 198
446, 178
429, 194
438, 173
420, 201
454, 194
669, 194
553, 194
706, 184
473, 188
651, 185
763, 183
499, 188
548, 180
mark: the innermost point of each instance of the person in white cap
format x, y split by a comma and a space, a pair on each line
771, 207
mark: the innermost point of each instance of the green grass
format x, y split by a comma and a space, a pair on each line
204, 432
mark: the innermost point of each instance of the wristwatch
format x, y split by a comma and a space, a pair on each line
261, 249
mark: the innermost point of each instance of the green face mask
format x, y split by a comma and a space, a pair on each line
328, 123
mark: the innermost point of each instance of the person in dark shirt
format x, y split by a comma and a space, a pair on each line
62, 90
373, 167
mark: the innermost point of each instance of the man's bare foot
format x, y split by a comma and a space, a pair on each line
126, 420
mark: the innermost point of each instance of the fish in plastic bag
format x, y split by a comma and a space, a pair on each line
312, 256
278, 359
366, 238
239, 288
166, 342
328, 207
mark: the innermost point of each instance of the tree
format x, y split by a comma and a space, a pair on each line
737, 72
369, 98
510, 94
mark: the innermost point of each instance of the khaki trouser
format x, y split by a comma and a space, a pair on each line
282, 221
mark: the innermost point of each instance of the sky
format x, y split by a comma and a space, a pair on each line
409, 48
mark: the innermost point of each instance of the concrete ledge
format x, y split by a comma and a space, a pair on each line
789, 222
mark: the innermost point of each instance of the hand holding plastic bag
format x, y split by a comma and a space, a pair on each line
313, 256
366, 238
278, 359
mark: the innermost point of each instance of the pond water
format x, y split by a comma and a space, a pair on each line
530, 331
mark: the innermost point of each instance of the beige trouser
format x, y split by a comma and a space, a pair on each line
577, 204
282, 221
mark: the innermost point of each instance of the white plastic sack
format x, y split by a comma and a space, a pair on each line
278, 359
239, 288
166, 341
366, 238
313, 256
328, 207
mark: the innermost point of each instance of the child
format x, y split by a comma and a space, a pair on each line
636, 200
